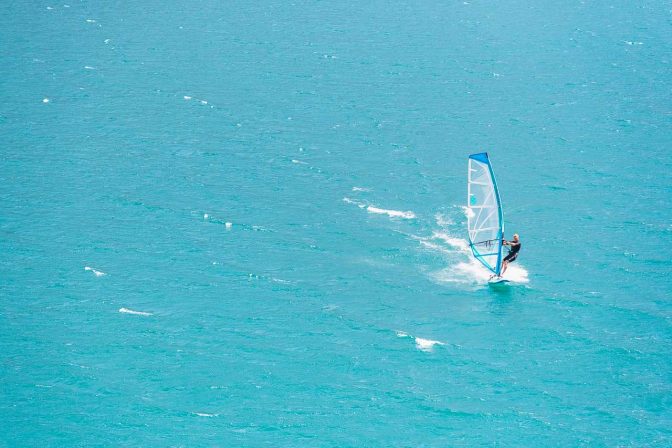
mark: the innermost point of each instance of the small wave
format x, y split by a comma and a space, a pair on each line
390, 213
201, 101
227, 224
466, 273
381, 211
457, 243
298, 162
203, 414
252, 276
350, 201
281, 281
433, 246
452, 245
137, 313
95, 272
443, 220
425, 345
360, 189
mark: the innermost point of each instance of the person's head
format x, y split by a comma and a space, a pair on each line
515, 237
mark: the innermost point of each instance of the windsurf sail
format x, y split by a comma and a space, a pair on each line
485, 220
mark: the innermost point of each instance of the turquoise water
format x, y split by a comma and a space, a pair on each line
338, 306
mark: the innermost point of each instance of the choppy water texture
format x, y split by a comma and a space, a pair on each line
241, 223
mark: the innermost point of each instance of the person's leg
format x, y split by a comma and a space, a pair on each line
505, 264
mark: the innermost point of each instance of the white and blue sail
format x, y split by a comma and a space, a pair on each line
485, 220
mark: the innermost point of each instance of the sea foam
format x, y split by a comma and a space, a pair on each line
95, 272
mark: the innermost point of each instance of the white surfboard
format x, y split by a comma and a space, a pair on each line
498, 281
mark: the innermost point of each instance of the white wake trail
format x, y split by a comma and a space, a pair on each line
462, 268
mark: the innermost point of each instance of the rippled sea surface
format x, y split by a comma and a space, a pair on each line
241, 223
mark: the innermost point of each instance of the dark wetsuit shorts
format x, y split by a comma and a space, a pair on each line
511, 257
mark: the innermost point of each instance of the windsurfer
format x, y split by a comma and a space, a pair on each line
513, 252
